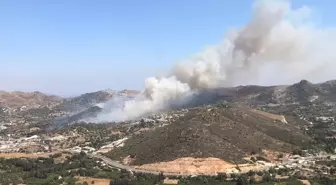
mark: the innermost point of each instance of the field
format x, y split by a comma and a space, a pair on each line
96, 181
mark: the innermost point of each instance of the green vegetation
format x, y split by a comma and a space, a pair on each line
44, 171
95, 135
242, 180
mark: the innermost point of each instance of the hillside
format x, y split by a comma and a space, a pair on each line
18, 99
87, 100
22, 110
301, 92
229, 132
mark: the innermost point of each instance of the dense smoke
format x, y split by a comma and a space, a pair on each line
278, 45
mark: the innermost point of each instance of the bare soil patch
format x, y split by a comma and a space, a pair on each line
198, 166
305, 182
269, 115
97, 181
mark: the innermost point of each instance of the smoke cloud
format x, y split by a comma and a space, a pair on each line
278, 45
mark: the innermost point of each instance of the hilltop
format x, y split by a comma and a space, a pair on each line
301, 92
18, 99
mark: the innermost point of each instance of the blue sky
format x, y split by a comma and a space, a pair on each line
70, 47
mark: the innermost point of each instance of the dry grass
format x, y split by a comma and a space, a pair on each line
189, 165
170, 181
281, 177
268, 115
96, 181
62, 158
305, 182
198, 166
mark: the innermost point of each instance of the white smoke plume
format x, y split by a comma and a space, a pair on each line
278, 45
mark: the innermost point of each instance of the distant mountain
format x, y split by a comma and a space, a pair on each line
301, 92
84, 101
86, 106
47, 111
18, 99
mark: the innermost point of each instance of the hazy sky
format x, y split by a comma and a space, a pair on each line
70, 47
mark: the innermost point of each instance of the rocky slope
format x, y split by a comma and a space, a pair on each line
226, 131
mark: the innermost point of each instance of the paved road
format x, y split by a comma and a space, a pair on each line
118, 165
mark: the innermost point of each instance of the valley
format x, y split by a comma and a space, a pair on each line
234, 131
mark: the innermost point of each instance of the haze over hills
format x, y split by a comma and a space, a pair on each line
228, 124
30, 99
92, 106
54, 111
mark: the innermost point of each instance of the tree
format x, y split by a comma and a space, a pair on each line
233, 176
296, 182
161, 176
267, 177
260, 173
221, 176
251, 173
280, 155
332, 171
272, 171
327, 181
120, 182
242, 180
252, 180
298, 152
41, 175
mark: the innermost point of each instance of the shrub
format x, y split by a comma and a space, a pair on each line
280, 155
267, 177
242, 180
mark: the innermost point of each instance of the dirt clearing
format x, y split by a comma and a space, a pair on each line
96, 181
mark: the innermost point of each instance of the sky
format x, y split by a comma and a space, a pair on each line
71, 47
